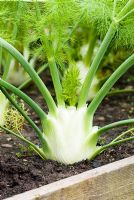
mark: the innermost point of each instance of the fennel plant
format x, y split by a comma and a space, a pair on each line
67, 132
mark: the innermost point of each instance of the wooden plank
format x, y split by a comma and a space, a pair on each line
114, 181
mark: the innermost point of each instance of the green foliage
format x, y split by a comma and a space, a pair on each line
71, 84
54, 20
102, 13
49, 24
12, 27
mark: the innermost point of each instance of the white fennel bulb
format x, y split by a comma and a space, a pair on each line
3, 108
68, 139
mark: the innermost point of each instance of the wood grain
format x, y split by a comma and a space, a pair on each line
114, 181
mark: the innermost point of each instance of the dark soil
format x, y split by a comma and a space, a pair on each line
29, 171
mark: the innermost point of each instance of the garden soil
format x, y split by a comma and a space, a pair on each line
21, 170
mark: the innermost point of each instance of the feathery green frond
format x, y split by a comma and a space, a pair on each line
50, 23
71, 84
102, 13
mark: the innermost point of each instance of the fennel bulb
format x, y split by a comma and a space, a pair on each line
67, 138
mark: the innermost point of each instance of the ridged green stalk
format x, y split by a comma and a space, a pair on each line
95, 64
115, 125
108, 85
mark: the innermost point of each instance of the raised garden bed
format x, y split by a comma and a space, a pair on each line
112, 181
18, 175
